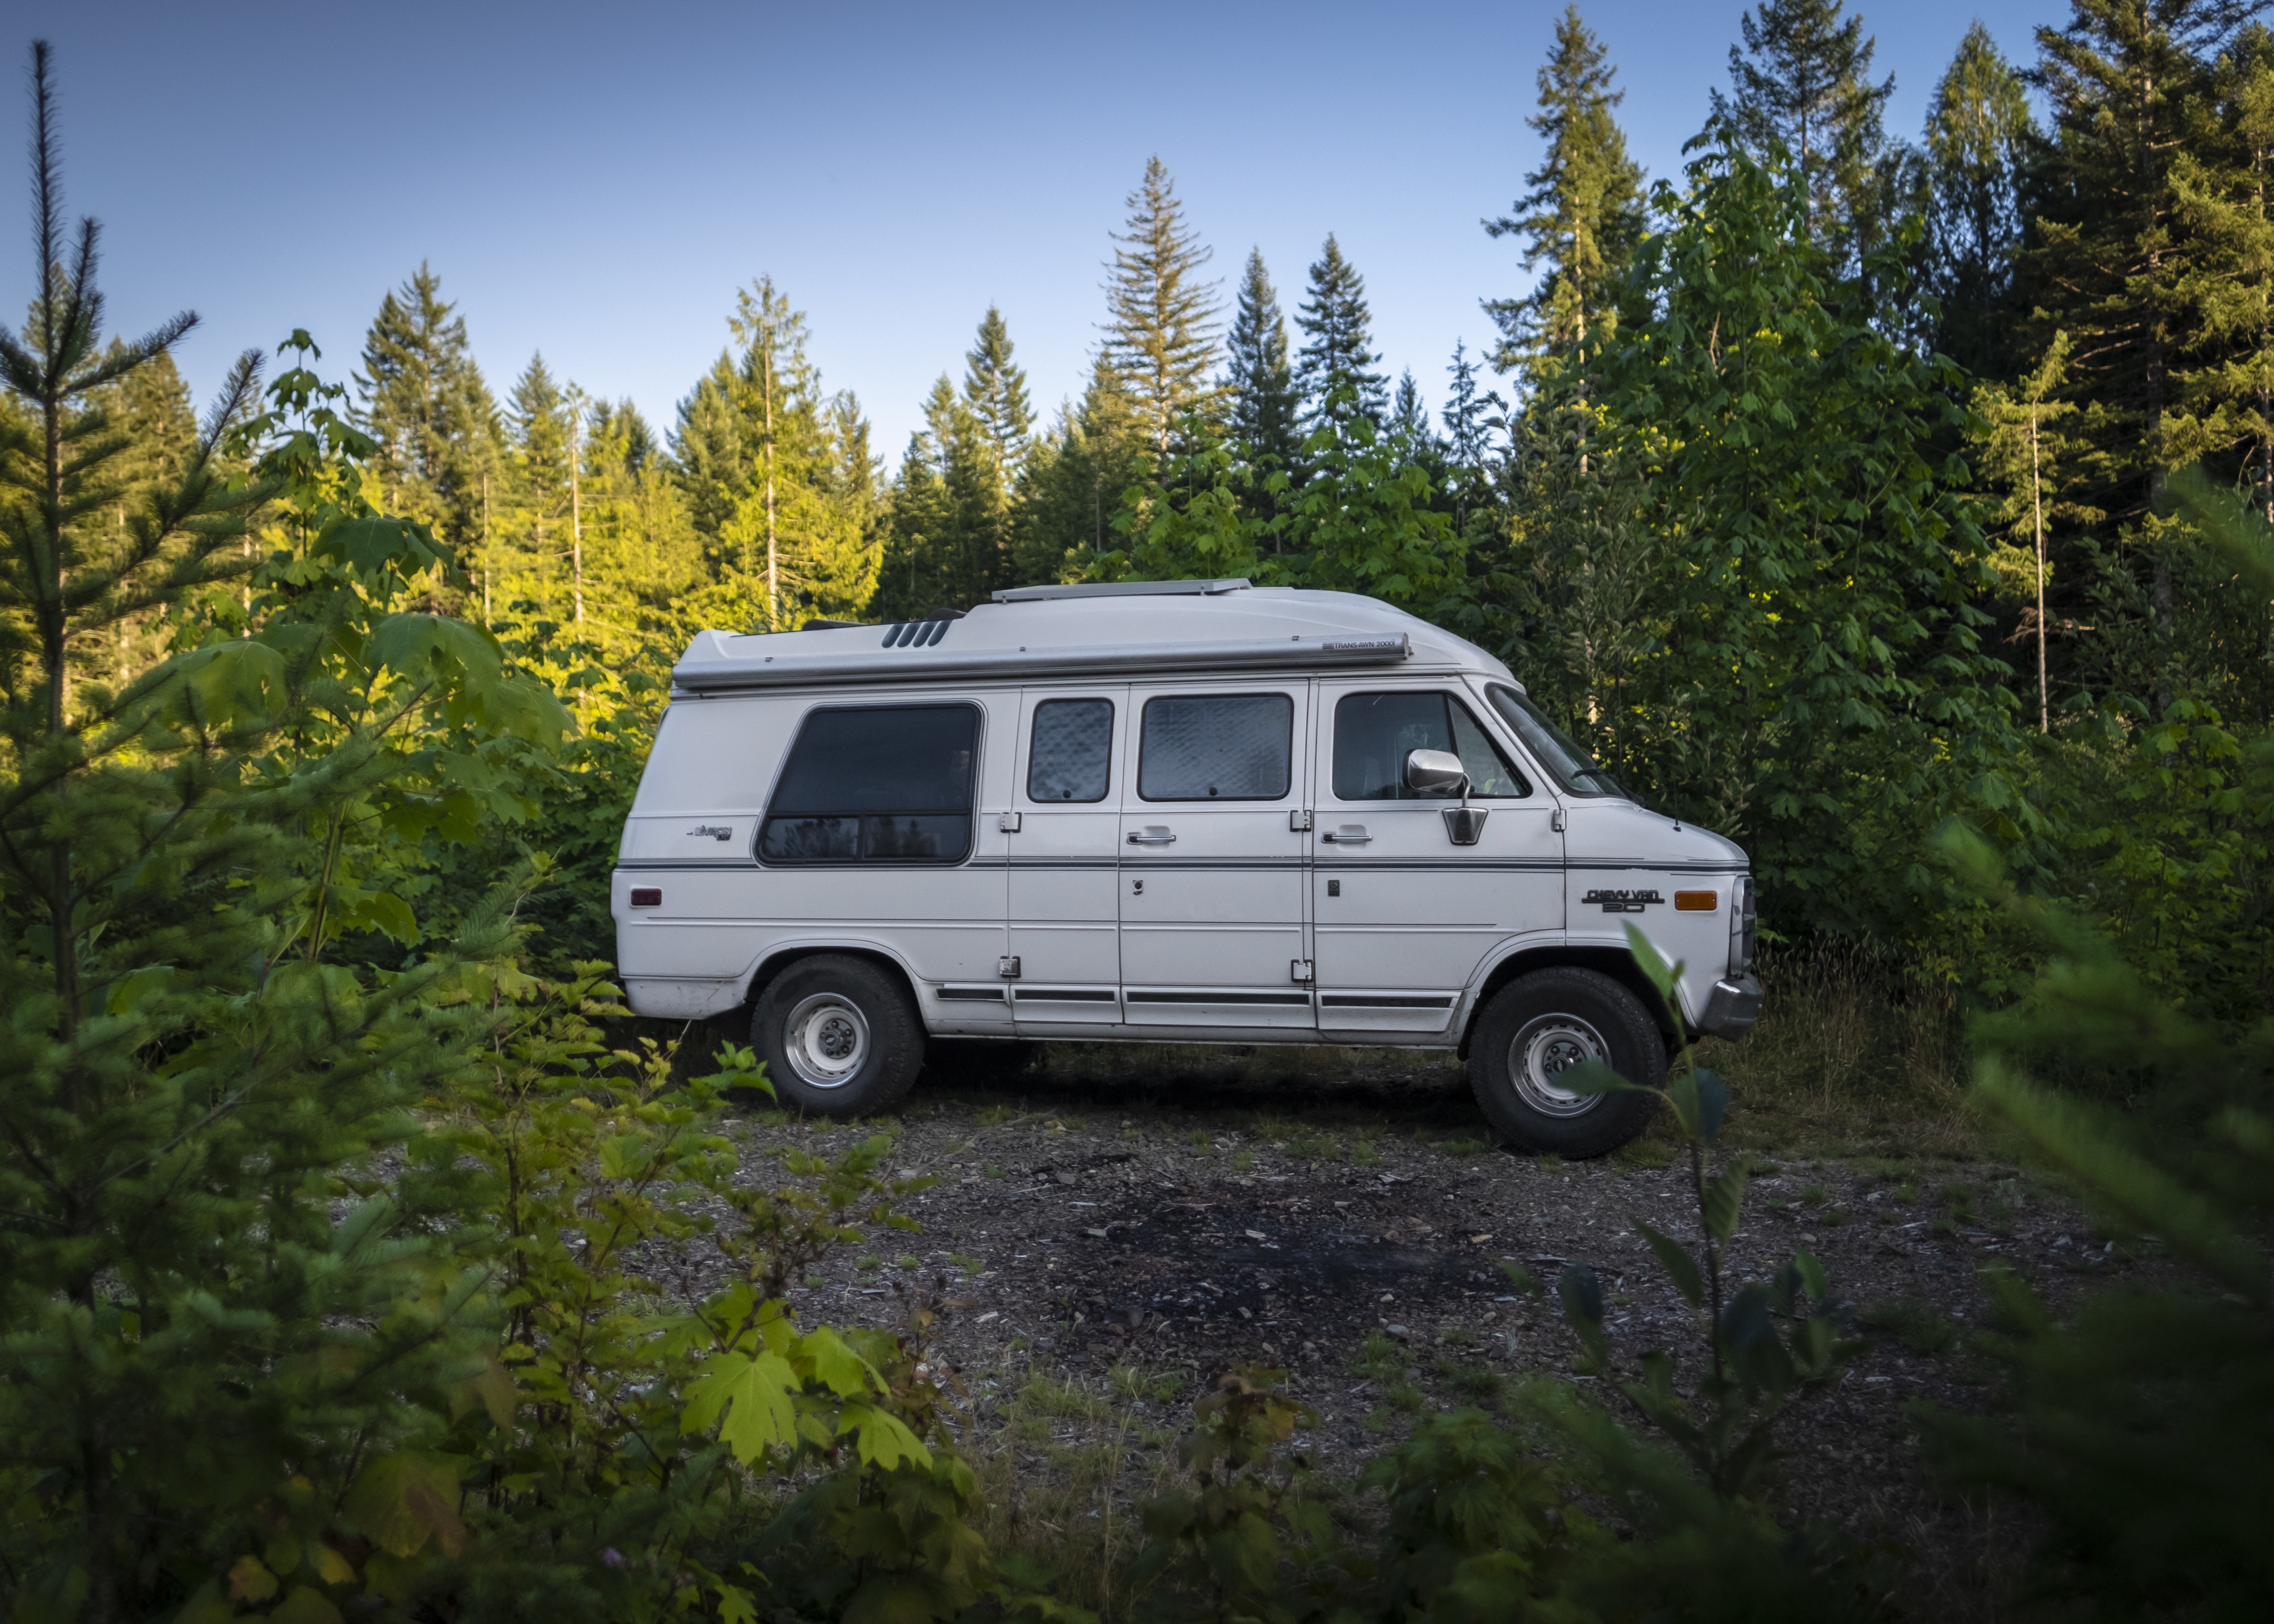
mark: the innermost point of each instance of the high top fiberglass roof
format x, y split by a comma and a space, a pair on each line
1123, 627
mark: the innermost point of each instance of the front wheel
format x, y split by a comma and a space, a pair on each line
1542, 1025
839, 1036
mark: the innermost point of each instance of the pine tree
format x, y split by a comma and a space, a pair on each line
1336, 364
1075, 478
423, 400
2124, 80
1408, 417
2221, 184
1806, 87
1259, 380
202, 1328
995, 389
1161, 328
1471, 415
540, 423
782, 501
1584, 212
2024, 452
1980, 139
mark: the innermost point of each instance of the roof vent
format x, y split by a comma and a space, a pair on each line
1123, 589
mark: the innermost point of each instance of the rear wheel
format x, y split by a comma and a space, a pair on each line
1541, 1026
839, 1035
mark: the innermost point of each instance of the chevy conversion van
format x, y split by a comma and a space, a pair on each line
1189, 811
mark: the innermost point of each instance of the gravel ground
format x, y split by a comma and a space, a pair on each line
1131, 1223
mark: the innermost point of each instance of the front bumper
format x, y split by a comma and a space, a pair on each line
1732, 1008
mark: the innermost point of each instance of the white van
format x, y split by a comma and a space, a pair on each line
1189, 811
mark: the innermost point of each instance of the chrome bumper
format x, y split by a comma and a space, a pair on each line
1732, 1009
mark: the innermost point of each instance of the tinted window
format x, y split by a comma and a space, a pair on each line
888, 783
1216, 747
1375, 732
1556, 750
1070, 756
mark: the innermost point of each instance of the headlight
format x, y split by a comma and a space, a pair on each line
1744, 921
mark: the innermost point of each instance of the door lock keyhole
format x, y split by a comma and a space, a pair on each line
1136, 888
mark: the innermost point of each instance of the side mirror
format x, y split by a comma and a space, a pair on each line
1435, 770
1428, 770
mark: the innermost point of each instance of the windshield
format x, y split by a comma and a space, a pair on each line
1554, 748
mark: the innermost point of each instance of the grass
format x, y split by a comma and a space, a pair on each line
1242, 1161
1911, 1322
1853, 1056
868, 1264
908, 1260
969, 1264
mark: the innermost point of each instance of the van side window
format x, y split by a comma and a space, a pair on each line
879, 784
1373, 733
1216, 747
1070, 756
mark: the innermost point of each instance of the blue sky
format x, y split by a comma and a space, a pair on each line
596, 181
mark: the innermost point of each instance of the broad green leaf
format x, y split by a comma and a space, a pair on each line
1725, 1196
373, 545
388, 913
402, 1500
1592, 1077
1663, 975
307, 1605
249, 1580
1582, 1294
227, 684
137, 985
1713, 1104
737, 1606
1813, 1280
749, 1399
884, 1439
837, 1366
1678, 1265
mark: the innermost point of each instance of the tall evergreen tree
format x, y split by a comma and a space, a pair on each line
539, 421
423, 400
1259, 379
995, 389
2221, 184
2125, 80
1803, 81
1337, 359
1584, 212
1980, 139
776, 486
1409, 415
1161, 326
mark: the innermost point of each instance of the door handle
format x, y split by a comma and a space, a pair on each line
1349, 834
1152, 834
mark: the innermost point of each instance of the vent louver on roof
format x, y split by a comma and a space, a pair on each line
916, 634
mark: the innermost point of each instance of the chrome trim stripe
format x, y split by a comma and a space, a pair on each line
1278, 999
1380, 1001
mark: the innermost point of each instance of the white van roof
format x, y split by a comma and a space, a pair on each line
1133, 627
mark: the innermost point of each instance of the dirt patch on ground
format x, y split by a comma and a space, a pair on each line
1129, 1224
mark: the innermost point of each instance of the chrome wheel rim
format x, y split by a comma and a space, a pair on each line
826, 1041
1546, 1047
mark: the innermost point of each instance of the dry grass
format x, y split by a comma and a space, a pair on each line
1851, 1057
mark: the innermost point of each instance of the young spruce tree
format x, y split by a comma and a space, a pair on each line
1259, 381
209, 1326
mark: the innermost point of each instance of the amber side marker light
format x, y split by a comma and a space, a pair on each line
1687, 901
652, 896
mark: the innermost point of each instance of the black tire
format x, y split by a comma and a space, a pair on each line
1541, 1023
982, 1060
839, 1036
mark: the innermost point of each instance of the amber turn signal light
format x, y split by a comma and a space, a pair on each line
652, 896
1696, 901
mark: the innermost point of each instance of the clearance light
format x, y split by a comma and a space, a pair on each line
1696, 901
647, 896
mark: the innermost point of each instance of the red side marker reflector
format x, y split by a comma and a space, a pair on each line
1696, 901
652, 896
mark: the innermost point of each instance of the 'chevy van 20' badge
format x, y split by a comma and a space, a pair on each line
1621, 901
